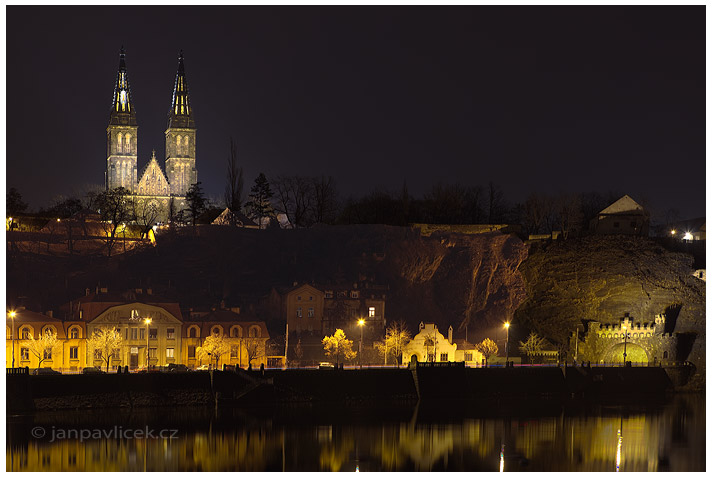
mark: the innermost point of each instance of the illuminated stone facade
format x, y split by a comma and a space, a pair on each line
153, 188
646, 342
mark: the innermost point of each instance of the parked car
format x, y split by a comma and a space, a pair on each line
203, 367
92, 370
45, 371
177, 367
326, 366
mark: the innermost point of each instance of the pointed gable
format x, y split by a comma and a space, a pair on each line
626, 204
153, 182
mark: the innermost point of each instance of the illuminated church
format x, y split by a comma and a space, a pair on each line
152, 189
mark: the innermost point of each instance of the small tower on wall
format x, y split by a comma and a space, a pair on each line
122, 134
180, 137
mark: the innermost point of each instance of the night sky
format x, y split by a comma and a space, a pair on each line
549, 99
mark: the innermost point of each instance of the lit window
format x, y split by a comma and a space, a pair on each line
171, 333
233, 352
152, 333
74, 353
310, 312
24, 354
354, 294
371, 311
25, 334
74, 333
299, 311
48, 355
329, 294
170, 352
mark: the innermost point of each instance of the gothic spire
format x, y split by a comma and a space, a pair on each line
122, 108
181, 114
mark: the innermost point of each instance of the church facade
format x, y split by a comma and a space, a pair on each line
156, 191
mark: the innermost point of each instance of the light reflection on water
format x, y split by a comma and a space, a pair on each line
666, 438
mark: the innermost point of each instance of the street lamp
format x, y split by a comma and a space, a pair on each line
361, 323
625, 343
506, 345
12, 318
147, 321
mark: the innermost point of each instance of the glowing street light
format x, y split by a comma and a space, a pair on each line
672, 232
12, 318
361, 323
147, 321
506, 345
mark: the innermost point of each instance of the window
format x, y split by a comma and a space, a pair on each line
170, 351
299, 298
371, 311
73, 353
329, 294
354, 294
235, 331
216, 330
25, 334
311, 298
171, 333
24, 353
74, 333
254, 331
97, 354
431, 357
468, 356
81, 313
152, 333
443, 357
134, 333
152, 352
116, 354
233, 352
134, 350
191, 351
299, 311
192, 332
665, 354
142, 334
310, 312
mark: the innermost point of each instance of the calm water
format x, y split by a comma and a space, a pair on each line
668, 436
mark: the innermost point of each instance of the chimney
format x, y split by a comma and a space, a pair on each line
50, 313
449, 334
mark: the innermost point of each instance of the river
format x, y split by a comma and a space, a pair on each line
593, 437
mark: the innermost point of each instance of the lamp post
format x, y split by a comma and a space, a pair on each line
625, 343
576, 353
506, 345
147, 321
12, 318
361, 323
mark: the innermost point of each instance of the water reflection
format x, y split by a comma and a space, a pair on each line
666, 438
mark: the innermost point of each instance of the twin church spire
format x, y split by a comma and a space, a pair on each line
122, 143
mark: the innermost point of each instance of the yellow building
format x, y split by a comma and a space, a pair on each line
430, 345
245, 338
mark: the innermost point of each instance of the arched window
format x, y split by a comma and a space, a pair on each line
74, 332
254, 331
216, 330
128, 148
49, 329
178, 144
193, 331
235, 331
120, 143
665, 354
185, 145
25, 333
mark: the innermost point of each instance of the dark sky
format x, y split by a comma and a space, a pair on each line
550, 99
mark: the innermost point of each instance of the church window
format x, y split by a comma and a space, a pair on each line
665, 354
127, 148
178, 138
185, 145
120, 143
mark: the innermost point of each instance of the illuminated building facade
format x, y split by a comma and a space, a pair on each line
152, 189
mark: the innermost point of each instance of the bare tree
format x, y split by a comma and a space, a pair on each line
293, 197
235, 180
254, 348
115, 212
44, 347
145, 213
532, 347
568, 208
324, 200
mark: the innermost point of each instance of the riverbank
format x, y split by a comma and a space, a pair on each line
383, 386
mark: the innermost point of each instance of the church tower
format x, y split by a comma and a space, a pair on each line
121, 135
180, 137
